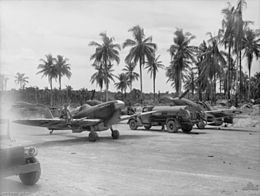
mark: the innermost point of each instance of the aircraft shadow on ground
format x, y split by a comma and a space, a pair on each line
13, 187
179, 132
76, 140
54, 133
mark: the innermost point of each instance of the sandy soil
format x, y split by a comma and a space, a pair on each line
205, 162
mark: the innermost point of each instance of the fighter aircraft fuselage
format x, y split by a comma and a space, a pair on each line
102, 111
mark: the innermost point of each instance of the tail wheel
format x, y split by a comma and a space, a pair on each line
171, 126
32, 177
115, 134
93, 136
133, 124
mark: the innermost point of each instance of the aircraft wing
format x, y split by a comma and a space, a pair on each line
57, 123
126, 117
222, 112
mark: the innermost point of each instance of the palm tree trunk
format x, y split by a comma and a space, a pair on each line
153, 87
51, 92
60, 89
199, 85
141, 82
236, 83
106, 81
60, 82
229, 80
220, 83
249, 90
130, 86
240, 79
179, 84
106, 90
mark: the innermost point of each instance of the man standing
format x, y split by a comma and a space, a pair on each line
66, 115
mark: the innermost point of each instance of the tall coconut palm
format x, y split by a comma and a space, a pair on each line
130, 74
213, 63
49, 70
239, 25
182, 57
190, 80
251, 46
142, 50
98, 76
201, 82
102, 76
153, 68
63, 68
106, 52
122, 82
228, 40
21, 79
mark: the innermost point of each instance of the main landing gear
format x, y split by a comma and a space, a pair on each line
114, 133
93, 136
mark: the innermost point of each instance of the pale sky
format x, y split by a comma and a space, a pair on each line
31, 29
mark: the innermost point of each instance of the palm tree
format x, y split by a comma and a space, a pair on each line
105, 54
130, 74
21, 79
201, 82
212, 64
251, 45
98, 76
102, 76
181, 56
63, 68
228, 40
122, 83
153, 67
239, 26
190, 80
49, 70
142, 50
255, 86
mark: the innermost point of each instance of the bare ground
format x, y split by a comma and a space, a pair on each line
205, 162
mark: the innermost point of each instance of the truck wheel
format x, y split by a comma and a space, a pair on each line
32, 177
186, 128
200, 125
115, 134
147, 127
133, 124
171, 126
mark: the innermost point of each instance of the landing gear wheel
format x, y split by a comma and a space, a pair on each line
115, 134
147, 127
32, 177
93, 136
201, 125
133, 124
171, 126
51, 131
186, 128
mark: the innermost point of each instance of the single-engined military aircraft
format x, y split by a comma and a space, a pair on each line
205, 112
93, 117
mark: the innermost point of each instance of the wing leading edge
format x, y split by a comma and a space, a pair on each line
58, 123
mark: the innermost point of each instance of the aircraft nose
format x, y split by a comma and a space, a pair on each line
119, 104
